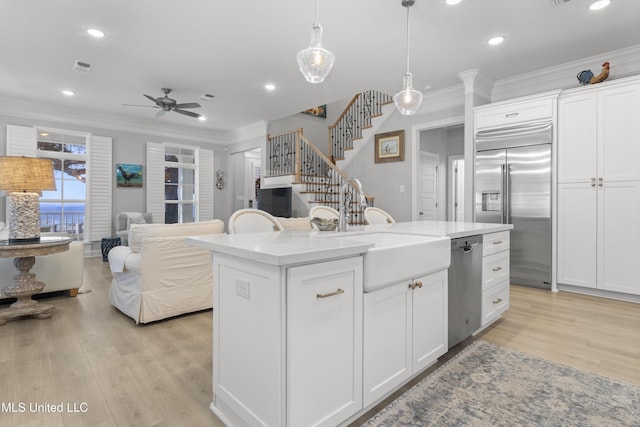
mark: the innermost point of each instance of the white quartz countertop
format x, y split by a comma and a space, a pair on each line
441, 228
298, 246
281, 247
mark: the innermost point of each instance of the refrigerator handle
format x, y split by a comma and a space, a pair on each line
503, 206
507, 193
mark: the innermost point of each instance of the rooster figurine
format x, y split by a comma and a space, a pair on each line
586, 77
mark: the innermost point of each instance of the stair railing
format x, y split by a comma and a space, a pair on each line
290, 153
354, 119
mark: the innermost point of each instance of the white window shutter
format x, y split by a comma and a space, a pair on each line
99, 186
206, 184
155, 181
22, 141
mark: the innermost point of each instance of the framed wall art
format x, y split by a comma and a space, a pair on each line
128, 175
389, 147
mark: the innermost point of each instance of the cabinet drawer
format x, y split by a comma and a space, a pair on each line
494, 302
511, 113
495, 269
495, 242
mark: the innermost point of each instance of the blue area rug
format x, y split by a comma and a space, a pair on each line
489, 385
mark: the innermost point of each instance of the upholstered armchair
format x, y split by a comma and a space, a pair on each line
124, 220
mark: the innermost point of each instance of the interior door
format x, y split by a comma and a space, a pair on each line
428, 186
251, 180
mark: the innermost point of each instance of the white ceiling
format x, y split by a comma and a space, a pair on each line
231, 49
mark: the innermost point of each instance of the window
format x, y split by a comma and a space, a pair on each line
180, 201
63, 210
98, 219
180, 183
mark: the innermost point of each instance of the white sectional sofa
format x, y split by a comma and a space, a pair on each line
63, 271
158, 275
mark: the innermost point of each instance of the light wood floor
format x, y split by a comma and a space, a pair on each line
160, 374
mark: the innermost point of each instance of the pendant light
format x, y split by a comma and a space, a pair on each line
315, 62
408, 100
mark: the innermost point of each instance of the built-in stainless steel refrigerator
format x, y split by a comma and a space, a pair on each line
513, 186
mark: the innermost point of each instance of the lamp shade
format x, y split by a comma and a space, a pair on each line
26, 174
315, 62
408, 100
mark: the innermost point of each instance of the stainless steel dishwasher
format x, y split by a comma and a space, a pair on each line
465, 288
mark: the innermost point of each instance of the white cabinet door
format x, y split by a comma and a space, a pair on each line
387, 340
619, 134
577, 138
577, 234
618, 237
429, 320
324, 342
405, 331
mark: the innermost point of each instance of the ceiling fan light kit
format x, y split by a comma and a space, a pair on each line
408, 100
315, 62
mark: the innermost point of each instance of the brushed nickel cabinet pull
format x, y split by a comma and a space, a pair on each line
497, 301
511, 115
330, 294
497, 242
497, 268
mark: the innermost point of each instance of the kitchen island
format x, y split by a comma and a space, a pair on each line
298, 340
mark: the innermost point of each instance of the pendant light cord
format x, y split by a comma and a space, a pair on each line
317, 19
407, 37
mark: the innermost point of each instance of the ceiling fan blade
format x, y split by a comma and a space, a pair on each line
161, 113
138, 105
187, 113
151, 98
188, 105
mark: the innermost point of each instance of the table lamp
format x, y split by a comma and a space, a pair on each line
23, 178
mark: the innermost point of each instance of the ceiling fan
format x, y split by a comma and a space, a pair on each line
168, 104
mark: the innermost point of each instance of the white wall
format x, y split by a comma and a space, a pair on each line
315, 129
128, 147
383, 180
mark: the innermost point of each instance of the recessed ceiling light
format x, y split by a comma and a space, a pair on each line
95, 33
452, 2
495, 40
202, 118
44, 134
270, 86
68, 92
600, 4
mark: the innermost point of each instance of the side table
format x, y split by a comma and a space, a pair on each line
24, 283
107, 244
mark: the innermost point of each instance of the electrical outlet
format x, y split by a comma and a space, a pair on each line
402, 188
242, 288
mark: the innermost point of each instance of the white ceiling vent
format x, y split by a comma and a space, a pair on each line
559, 2
82, 66
206, 97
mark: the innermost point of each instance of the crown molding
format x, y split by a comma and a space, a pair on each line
39, 112
624, 62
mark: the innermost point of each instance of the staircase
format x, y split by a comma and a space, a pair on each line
293, 160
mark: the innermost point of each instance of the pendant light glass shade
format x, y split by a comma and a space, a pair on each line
315, 62
408, 100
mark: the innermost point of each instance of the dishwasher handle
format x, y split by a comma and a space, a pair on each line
468, 248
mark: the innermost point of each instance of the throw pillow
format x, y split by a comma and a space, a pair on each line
137, 220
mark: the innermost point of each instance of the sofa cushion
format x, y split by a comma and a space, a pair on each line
139, 232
